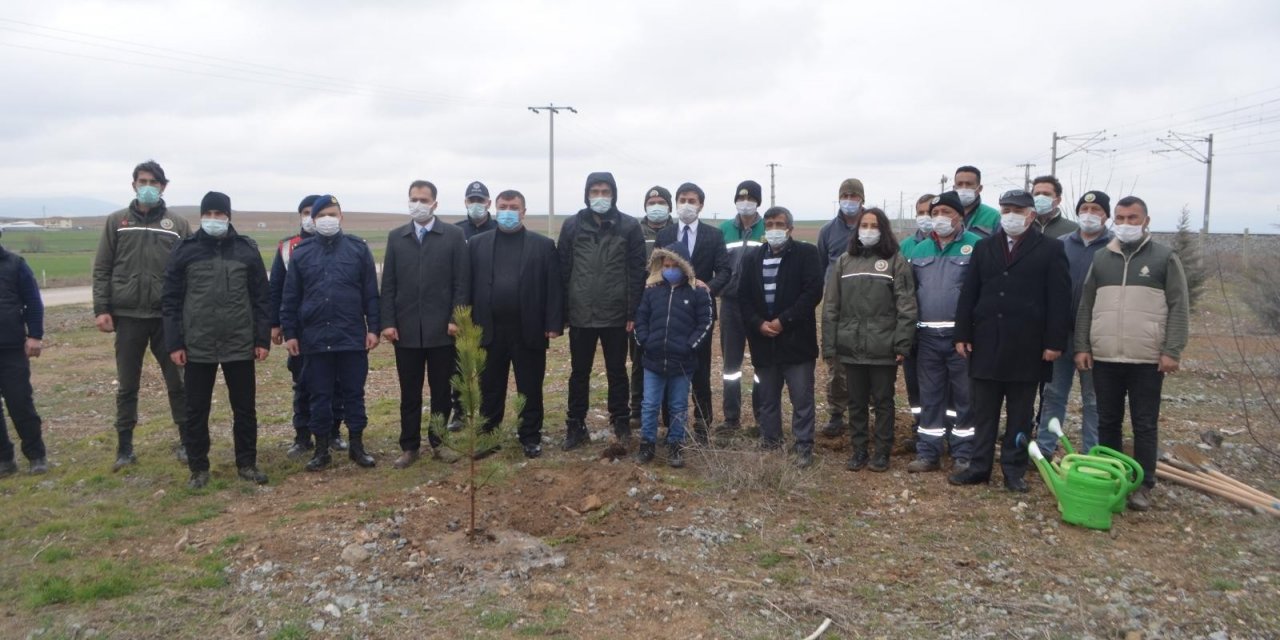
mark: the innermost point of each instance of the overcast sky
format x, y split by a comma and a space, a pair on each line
269, 101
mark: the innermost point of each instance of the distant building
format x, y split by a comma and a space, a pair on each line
21, 225
58, 222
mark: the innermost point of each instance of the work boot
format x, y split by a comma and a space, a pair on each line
804, 456
834, 427
923, 465
320, 458
879, 462
622, 430
575, 435
968, 476
455, 425
728, 428
445, 454
406, 459
8, 468
252, 474
1015, 484
39, 466
909, 444
959, 465
700, 434
124, 450
858, 461
298, 449
336, 443
180, 452
634, 422
645, 454
1140, 500
532, 451
198, 480
675, 455
357, 452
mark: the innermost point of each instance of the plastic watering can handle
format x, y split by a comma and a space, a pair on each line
1135, 470
1046, 468
1055, 427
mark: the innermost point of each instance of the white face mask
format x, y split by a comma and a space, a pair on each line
775, 237
308, 225
1044, 205
477, 211
1014, 224
328, 225
747, 208
967, 196
869, 238
688, 213
421, 212
1128, 233
942, 226
924, 224
601, 205
657, 213
1091, 222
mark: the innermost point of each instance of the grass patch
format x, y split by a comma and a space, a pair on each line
769, 560
562, 540
291, 631
50, 528
105, 581
205, 512
54, 555
552, 623
596, 517
1224, 584
496, 620
212, 572
307, 506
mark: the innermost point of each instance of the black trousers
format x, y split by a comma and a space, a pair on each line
504, 353
1141, 383
242, 391
703, 414
302, 404
133, 337
1018, 400
733, 348
435, 365
582, 355
871, 385
15, 386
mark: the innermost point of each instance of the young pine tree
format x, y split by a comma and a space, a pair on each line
1186, 245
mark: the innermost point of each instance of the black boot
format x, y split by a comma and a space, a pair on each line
675, 455
576, 435
320, 459
124, 450
301, 445
622, 429
357, 453
644, 455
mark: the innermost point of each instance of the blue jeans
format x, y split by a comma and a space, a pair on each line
1055, 397
675, 390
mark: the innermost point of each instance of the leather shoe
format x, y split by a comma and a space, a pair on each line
967, 477
1016, 485
532, 451
858, 461
252, 474
406, 459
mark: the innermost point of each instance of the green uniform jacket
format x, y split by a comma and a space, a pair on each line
1134, 306
217, 304
983, 220
869, 310
128, 273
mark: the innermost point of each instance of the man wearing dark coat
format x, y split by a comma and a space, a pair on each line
1011, 323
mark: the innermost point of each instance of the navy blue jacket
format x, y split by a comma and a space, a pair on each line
672, 321
280, 270
1079, 259
21, 309
330, 295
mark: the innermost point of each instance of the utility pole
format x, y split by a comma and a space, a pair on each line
900, 202
772, 166
942, 185
1081, 142
1182, 143
1026, 180
551, 205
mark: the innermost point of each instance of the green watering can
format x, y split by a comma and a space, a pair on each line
1089, 488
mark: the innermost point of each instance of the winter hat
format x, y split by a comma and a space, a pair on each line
306, 202
854, 186
690, 187
1017, 198
324, 202
214, 201
659, 192
947, 199
1096, 197
750, 189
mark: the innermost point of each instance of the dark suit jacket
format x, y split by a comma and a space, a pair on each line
710, 259
422, 283
798, 292
541, 289
1013, 311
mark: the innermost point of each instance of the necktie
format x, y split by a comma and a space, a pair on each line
422, 233
685, 241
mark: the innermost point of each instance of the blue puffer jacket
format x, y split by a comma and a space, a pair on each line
330, 295
673, 320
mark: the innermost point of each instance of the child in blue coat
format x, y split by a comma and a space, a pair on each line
674, 318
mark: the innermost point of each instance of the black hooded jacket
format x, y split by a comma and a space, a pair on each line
602, 263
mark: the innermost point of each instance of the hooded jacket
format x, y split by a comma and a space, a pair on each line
602, 263
869, 309
216, 300
128, 272
673, 320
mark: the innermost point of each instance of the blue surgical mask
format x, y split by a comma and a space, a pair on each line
775, 237
657, 213
214, 227
673, 274
477, 211
508, 220
148, 196
850, 207
1044, 205
601, 205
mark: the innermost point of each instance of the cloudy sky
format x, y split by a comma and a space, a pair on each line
269, 101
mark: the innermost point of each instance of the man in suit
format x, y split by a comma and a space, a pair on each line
518, 301
425, 274
1011, 323
703, 246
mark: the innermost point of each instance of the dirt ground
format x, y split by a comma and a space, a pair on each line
736, 545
